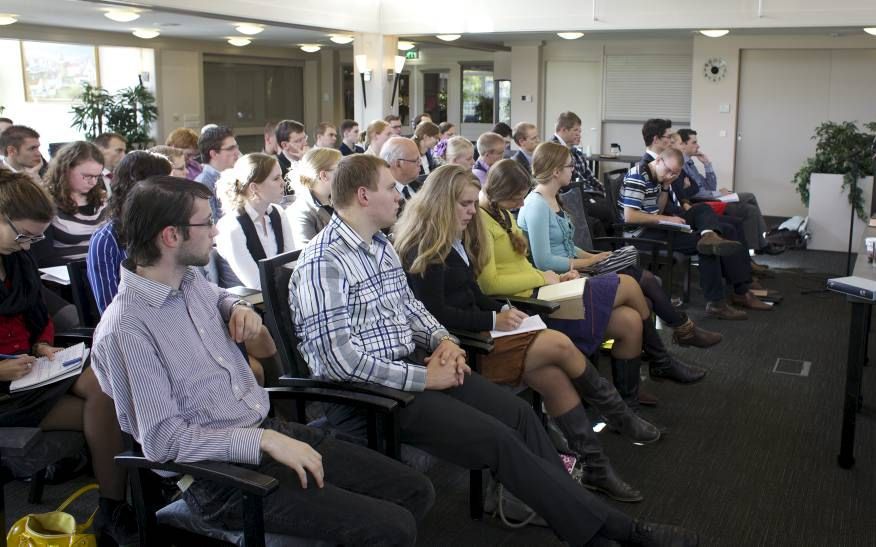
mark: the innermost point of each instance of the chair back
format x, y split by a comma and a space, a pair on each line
275, 273
613, 180
574, 202
83, 297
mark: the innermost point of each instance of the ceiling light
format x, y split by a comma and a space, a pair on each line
8, 18
570, 35
868, 30
146, 33
715, 33
121, 15
239, 41
404, 46
310, 48
249, 29
448, 37
341, 38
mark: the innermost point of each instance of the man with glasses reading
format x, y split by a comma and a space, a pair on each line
219, 151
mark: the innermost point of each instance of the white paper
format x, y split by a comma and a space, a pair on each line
531, 323
47, 371
679, 225
729, 198
57, 274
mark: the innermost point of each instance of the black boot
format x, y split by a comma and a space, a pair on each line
663, 365
625, 375
596, 390
597, 472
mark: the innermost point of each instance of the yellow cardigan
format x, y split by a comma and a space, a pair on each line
506, 272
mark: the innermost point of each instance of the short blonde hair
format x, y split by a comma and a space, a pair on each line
456, 146
488, 140
375, 128
314, 161
235, 182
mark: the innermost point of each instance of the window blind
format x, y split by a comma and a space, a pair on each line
638, 87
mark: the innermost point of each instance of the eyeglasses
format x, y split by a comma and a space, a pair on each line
410, 161
92, 178
20, 237
210, 223
230, 148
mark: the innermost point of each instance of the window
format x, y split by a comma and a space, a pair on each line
435, 95
503, 99
477, 94
55, 72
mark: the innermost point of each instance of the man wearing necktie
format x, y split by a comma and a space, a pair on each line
403, 158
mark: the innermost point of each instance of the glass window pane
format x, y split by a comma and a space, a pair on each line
477, 95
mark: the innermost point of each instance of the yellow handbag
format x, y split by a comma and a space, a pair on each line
53, 529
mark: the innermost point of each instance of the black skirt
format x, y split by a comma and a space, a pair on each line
28, 408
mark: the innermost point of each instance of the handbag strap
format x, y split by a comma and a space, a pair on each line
85, 489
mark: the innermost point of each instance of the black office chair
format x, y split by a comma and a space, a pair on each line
83, 297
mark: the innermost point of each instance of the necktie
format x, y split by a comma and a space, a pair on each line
406, 193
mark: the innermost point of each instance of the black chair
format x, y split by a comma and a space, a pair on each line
83, 297
275, 273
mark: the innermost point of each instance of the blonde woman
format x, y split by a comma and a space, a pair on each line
460, 151
377, 133
426, 137
444, 246
311, 211
177, 157
253, 226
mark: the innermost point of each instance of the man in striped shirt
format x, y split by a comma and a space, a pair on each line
166, 352
358, 321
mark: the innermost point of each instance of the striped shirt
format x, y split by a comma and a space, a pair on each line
104, 261
355, 313
639, 191
70, 234
180, 384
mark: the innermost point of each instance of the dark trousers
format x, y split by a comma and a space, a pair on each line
735, 269
368, 499
481, 425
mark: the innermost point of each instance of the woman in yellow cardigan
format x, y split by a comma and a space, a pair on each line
614, 306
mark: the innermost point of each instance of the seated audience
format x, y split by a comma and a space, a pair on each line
359, 322
439, 241
426, 137
491, 148
186, 394
73, 180
551, 243
376, 135
350, 138
614, 306
504, 130
402, 156
312, 209
270, 139
20, 146
526, 138
292, 140
187, 139
253, 226
326, 135
446, 131
395, 124
113, 147
176, 156
75, 403
105, 250
645, 198
460, 151
219, 151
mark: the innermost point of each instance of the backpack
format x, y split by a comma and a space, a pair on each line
791, 234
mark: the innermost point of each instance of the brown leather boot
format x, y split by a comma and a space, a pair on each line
748, 300
689, 334
711, 243
722, 310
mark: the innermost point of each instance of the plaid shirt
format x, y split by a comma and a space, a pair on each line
581, 171
355, 313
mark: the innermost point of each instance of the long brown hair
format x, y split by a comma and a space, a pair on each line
423, 130
67, 159
506, 180
428, 222
23, 199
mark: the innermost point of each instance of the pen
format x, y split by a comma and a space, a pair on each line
508, 303
70, 362
7, 356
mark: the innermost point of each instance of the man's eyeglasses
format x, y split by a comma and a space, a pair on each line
410, 161
230, 148
23, 238
210, 223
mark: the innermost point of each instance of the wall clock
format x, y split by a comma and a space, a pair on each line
715, 69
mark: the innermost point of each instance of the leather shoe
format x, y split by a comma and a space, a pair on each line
647, 399
712, 244
748, 300
689, 334
771, 249
651, 534
674, 370
722, 310
606, 482
758, 268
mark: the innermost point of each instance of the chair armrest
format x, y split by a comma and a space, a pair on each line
333, 395
19, 438
474, 341
403, 398
74, 336
224, 474
531, 305
633, 241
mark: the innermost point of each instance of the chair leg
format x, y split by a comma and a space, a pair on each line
476, 494
37, 484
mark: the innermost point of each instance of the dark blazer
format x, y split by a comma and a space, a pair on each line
284, 162
521, 159
345, 150
451, 293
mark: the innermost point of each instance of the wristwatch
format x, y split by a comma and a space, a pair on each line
243, 303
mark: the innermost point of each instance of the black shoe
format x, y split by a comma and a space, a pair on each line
651, 534
607, 483
676, 371
771, 249
119, 523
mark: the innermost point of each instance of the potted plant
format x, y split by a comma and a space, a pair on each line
844, 149
130, 112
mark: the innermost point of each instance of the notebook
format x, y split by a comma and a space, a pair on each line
67, 363
531, 323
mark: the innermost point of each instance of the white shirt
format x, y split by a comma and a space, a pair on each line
424, 163
231, 244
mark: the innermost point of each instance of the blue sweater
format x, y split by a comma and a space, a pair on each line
550, 235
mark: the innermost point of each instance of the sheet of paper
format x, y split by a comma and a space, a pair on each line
729, 198
681, 227
531, 323
47, 371
56, 274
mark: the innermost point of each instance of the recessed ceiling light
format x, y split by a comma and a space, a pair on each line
249, 29
404, 46
570, 35
121, 15
716, 33
146, 33
310, 48
239, 41
341, 38
870, 30
8, 18
448, 37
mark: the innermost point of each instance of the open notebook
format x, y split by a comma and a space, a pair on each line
67, 363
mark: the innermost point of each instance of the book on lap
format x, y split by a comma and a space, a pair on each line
48, 371
569, 295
